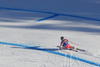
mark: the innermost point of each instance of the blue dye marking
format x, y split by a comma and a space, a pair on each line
53, 52
75, 16
47, 17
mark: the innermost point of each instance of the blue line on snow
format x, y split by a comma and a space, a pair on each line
47, 17
53, 52
75, 16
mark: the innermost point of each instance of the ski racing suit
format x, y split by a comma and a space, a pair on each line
65, 44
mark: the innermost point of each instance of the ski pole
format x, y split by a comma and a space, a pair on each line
74, 43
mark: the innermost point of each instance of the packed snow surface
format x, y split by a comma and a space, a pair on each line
30, 32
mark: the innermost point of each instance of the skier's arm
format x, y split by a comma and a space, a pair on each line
61, 45
67, 40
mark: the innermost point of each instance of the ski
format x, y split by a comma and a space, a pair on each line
80, 49
75, 50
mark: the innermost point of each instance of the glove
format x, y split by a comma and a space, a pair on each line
60, 48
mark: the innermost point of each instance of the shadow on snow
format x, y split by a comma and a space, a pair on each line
15, 15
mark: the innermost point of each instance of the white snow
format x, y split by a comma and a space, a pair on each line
19, 27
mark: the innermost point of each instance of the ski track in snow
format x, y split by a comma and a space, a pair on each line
57, 53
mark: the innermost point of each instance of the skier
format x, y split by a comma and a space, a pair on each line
65, 44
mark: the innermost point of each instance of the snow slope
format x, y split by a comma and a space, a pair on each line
40, 24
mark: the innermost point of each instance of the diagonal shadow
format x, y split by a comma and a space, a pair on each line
37, 48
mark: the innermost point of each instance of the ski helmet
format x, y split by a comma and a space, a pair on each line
62, 38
